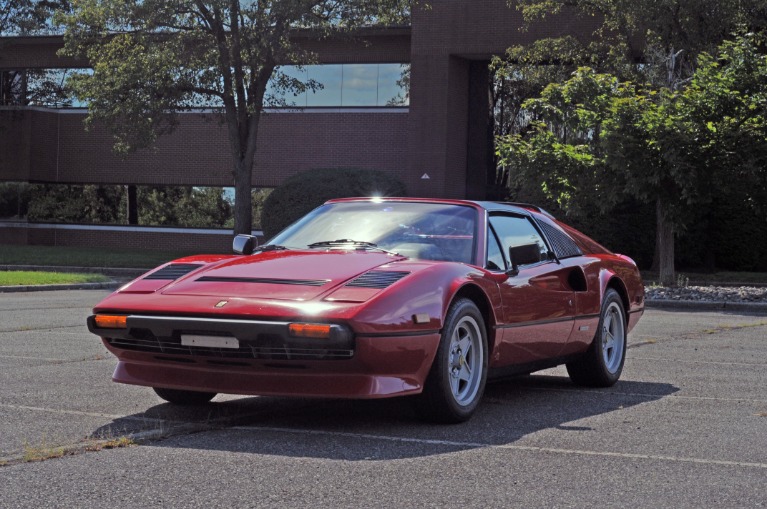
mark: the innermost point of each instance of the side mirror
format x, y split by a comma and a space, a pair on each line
244, 244
525, 254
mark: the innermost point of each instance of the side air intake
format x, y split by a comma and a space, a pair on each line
378, 279
174, 271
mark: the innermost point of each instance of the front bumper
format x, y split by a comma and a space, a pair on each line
268, 363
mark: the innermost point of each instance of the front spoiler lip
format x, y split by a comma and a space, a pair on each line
382, 367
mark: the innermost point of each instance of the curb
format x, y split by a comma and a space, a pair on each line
698, 305
109, 285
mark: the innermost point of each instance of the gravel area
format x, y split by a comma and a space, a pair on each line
708, 293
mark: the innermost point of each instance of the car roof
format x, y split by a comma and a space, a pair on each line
492, 206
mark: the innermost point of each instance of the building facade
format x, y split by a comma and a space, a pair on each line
439, 144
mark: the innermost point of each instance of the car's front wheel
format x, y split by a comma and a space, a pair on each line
457, 378
180, 397
602, 364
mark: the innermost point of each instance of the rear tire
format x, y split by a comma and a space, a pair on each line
179, 397
602, 364
457, 378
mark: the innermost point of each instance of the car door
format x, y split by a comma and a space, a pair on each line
538, 304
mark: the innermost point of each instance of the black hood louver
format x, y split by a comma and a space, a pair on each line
378, 279
174, 271
263, 280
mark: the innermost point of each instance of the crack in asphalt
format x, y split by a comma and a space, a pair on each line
166, 428
48, 360
34, 329
85, 309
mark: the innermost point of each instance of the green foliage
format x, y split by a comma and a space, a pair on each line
566, 150
193, 207
666, 36
305, 191
75, 204
654, 29
599, 141
258, 199
28, 17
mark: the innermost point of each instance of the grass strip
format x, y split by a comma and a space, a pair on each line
16, 278
85, 256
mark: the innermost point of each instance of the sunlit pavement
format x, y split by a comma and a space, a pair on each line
685, 427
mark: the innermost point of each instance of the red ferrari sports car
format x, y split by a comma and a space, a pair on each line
379, 297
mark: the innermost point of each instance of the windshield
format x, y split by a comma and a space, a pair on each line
429, 231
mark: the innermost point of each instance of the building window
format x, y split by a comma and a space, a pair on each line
310, 86
341, 85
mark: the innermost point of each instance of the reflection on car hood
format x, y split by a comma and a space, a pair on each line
291, 275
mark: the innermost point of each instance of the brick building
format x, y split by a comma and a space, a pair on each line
443, 132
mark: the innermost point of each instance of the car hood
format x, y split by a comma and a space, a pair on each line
287, 275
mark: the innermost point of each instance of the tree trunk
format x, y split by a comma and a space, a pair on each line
665, 246
132, 200
655, 267
243, 213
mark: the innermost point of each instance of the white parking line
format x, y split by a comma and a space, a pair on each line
65, 412
480, 445
719, 363
650, 396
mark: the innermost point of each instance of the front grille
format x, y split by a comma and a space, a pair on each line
378, 279
174, 271
268, 347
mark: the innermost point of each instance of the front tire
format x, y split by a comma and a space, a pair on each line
602, 364
457, 378
179, 397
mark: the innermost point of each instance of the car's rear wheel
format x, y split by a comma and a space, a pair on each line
180, 397
602, 364
457, 378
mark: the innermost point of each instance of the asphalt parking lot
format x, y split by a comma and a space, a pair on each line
685, 427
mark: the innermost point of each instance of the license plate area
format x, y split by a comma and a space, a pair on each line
210, 341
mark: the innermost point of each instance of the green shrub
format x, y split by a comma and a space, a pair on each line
307, 190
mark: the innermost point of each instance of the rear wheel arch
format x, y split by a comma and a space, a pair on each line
616, 284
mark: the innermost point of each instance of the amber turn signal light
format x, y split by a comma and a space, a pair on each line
111, 322
309, 330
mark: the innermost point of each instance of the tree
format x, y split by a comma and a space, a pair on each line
599, 139
653, 30
28, 17
152, 59
653, 42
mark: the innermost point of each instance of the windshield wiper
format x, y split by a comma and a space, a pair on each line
342, 242
271, 247
350, 242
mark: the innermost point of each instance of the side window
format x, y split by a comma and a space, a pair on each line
495, 258
520, 234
